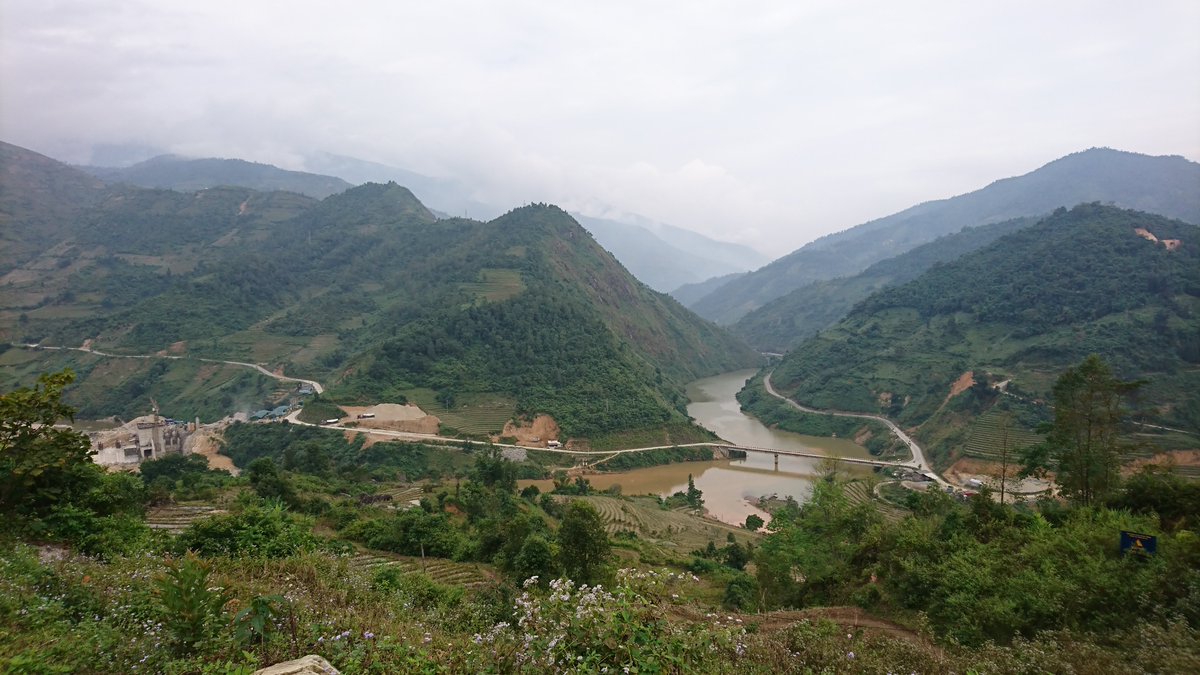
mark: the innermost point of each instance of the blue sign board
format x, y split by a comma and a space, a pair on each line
1143, 545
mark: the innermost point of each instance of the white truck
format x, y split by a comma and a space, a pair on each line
553, 444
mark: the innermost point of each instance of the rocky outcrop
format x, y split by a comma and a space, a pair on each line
307, 665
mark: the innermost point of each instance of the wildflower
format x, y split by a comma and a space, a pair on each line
369, 635
850, 655
321, 640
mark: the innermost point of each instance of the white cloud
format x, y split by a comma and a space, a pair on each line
770, 123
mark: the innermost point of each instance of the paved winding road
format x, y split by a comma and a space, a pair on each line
917, 461
88, 350
918, 457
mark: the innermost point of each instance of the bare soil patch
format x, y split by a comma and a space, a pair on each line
1170, 458
204, 442
988, 473
963, 383
851, 618
543, 428
393, 417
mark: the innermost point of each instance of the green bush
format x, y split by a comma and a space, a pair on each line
191, 609
258, 531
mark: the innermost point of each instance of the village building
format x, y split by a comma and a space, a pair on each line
150, 437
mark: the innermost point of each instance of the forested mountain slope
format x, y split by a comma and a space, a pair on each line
369, 292
39, 199
1167, 186
1022, 309
787, 321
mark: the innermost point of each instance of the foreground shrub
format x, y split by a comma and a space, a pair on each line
258, 531
589, 628
191, 608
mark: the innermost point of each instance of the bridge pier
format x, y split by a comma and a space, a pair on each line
777, 461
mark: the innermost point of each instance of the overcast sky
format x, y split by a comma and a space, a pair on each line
768, 123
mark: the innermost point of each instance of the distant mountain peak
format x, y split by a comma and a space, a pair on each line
1166, 185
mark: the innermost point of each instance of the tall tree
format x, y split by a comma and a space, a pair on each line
1083, 446
40, 464
583, 546
1007, 468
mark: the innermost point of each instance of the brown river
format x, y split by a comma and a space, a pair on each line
731, 487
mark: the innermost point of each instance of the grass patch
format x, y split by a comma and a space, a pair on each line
473, 413
317, 410
494, 285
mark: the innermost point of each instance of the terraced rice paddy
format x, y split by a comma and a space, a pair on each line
1192, 472
676, 531
495, 285
440, 570
403, 495
473, 413
860, 492
986, 440
177, 517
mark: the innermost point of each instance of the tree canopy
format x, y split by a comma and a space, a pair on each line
41, 464
1083, 447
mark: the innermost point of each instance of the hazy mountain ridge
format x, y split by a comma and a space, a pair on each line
690, 293
787, 321
662, 256
185, 174
1164, 185
660, 264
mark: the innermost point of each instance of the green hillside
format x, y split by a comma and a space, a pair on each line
189, 175
785, 322
368, 292
40, 200
1162, 185
1021, 309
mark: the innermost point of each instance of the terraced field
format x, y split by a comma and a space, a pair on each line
986, 442
1192, 472
986, 439
177, 517
495, 285
672, 532
440, 570
403, 495
473, 413
860, 492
